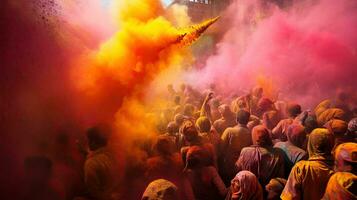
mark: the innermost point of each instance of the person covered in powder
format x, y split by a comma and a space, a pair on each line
339, 129
191, 138
261, 158
308, 179
208, 134
227, 119
292, 148
245, 186
279, 132
343, 184
100, 168
204, 179
166, 164
233, 141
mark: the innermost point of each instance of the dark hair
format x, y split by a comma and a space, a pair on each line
294, 110
243, 116
97, 137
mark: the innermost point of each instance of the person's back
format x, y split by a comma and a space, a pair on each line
167, 167
292, 154
206, 183
233, 141
308, 179
100, 168
236, 139
263, 162
204, 179
261, 158
342, 185
99, 173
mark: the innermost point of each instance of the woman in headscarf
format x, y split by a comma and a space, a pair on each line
245, 186
308, 179
261, 158
343, 184
204, 179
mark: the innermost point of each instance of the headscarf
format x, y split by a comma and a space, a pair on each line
160, 189
340, 186
296, 134
294, 109
261, 136
320, 143
337, 127
329, 114
249, 187
345, 152
321, 107
203, 124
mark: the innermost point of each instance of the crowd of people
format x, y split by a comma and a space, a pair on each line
210, 147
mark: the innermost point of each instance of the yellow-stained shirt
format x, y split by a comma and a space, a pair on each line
307, 180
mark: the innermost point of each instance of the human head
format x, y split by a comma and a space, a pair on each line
179, 119
189, 131
97, 136
337, 127
261, 137
293, 110
320, 143
310, 123
164, 146
196, 157
161, 189
265, 104
245, 185
296, 135
188, 110
274, 188
257, 91
346, 157
225, 111
172, 128
203, 124
243, 117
